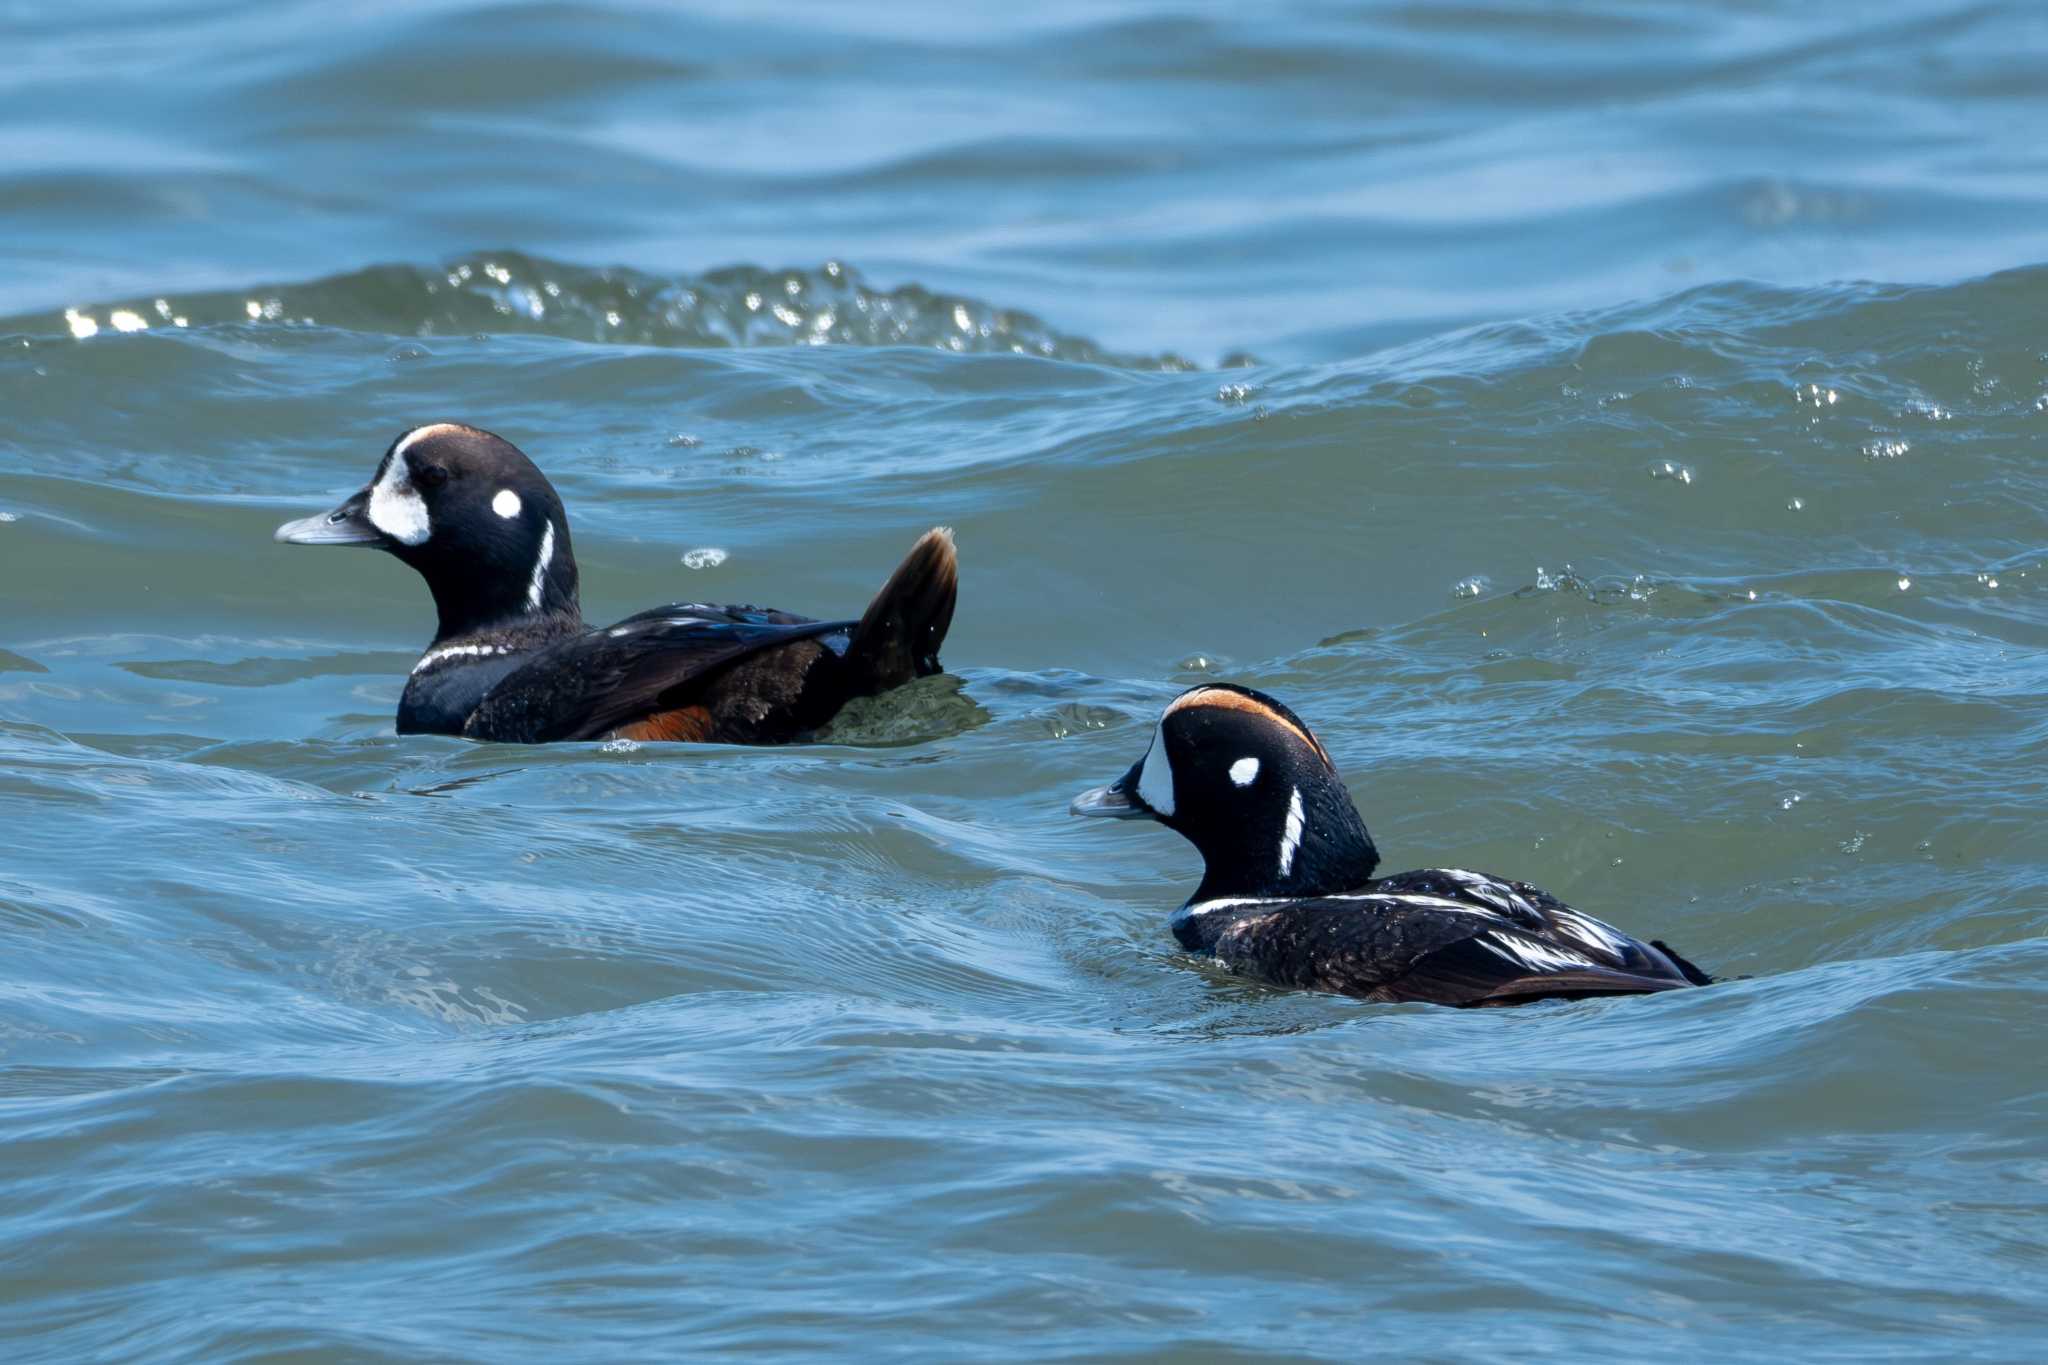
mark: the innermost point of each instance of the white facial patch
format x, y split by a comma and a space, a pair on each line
396, 508
540, 568
1155, 779
506, 504
1244, 772
1290, 836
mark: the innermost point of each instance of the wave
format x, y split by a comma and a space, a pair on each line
512, 292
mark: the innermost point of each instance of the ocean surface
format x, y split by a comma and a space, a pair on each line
1620, 428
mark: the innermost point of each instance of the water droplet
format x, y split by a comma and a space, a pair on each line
704, 557
1234, 393
1904, 583
1886, 450
1796, 505
1854, 843
1671, 469
1790, 799
684, 441
619, 746
1474, 586
1987, 580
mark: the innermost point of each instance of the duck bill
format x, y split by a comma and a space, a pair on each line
348, 524
1117, 801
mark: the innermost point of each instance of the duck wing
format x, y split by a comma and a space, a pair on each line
589, 685
1548, 919
1399, 945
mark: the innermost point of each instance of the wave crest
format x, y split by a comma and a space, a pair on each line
511, 292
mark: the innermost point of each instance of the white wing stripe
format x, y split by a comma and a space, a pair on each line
1536, 956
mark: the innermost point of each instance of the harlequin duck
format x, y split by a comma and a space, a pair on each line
1289, 897
512, 659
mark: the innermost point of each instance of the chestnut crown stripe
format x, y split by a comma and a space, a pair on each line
1238, 701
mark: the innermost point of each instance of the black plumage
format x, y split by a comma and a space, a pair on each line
512, 659
1288, 894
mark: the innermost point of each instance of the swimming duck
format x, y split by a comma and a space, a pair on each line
512, 659
1288, 894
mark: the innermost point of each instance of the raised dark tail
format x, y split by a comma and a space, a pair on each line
899, 636
1692, 973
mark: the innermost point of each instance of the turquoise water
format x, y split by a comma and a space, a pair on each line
1619, 429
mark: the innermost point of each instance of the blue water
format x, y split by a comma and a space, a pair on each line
1617, 428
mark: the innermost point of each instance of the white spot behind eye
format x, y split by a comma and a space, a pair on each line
1290, 837
506, 504
540, 568
1245, 771
1155, 779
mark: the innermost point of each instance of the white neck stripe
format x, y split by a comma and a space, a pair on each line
1416, 900
1290, 836
434, 656
540, 567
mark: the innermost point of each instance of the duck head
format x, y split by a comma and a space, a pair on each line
473, 516
1240, 777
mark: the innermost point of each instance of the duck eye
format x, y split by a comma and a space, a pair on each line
430, 476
